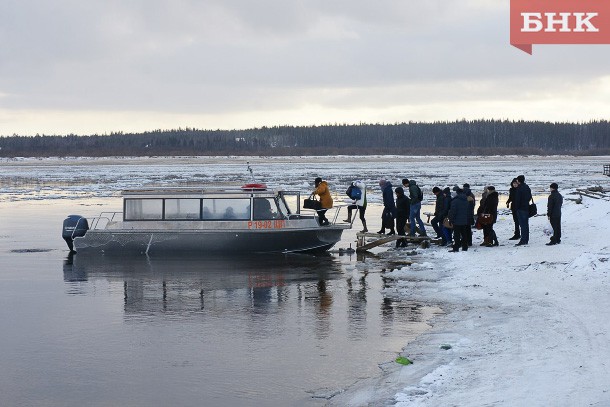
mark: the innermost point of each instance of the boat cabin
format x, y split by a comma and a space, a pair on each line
210, 204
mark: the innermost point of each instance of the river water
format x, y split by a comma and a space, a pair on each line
282, 330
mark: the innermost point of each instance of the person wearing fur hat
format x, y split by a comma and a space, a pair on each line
553, 212
326, 200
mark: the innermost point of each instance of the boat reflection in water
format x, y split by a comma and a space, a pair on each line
270, 330
194, 283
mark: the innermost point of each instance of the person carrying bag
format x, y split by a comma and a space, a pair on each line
326, 201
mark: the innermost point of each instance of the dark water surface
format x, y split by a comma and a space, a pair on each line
189, 331
255, 331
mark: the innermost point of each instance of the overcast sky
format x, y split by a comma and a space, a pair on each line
84, 67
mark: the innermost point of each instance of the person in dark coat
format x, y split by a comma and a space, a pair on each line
509, 204
480, 212
553, 212
458, 215
446, 238
491, 207
402, 214
439, 209
389, 207
523, 196
471, 205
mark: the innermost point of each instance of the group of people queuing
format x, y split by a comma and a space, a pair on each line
454, 211
404, 210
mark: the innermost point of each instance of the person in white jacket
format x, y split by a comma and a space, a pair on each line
359, 204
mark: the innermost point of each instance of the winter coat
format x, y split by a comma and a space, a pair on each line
523, 195
439, 206
324, 192
415, 194
446, 201
482, 202
554, 205
491, 205
402, 206
388, 199
362, 201
471, 205
458, 213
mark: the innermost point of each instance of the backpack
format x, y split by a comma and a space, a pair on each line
354, 192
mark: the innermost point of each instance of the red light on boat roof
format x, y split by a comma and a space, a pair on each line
255, 187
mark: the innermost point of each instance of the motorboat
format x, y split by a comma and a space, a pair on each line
250, 218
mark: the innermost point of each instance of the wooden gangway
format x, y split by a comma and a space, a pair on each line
375, 240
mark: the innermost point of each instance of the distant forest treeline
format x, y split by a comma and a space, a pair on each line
478, 137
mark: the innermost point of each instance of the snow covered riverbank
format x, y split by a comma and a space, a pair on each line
526, 326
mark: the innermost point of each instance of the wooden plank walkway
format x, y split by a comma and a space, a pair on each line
383, 239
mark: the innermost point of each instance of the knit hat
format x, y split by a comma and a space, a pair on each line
554, 185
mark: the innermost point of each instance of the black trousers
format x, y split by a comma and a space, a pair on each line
322, 216
436, 222
361, 211
401, 230
556, 225
460, 237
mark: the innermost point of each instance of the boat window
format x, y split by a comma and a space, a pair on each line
143, 209
182, 208
283, 205
291, 200
264, 209
226, 209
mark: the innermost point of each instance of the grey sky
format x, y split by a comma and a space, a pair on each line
99, 66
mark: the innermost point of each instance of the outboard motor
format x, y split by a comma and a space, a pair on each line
74, 226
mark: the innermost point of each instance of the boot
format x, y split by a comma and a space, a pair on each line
364, 229
349, 217
495, 239
485, 241
515, 237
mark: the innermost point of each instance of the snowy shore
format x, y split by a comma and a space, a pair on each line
526, 326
